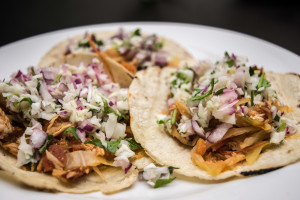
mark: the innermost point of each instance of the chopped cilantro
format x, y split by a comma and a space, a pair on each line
252, 98
162, 121
27, 99
230, 63
263, 82
276, 118
96, 142
220, 91
84, 43
162, 182
73, 131
38, 87
281, 127
113, 145
57, 79
206, 94
32, 71
251, 71
45, 146
227, 55
137, 32
158, 45
173, 119
108, 109
95, 110
171, 169
133, 144
185, 89
213, 72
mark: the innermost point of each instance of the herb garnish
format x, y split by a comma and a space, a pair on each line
73, 131
45, 146
206, 94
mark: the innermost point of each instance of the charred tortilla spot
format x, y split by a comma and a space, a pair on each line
295, 74
259, 172
290, 150
298, 105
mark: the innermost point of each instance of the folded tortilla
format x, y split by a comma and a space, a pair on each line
148, 95
57, 53
114, 179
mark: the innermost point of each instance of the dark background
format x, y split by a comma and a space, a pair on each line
274, 21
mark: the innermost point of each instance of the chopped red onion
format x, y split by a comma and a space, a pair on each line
128, 168
77, 81
239, 77
44, 91
81, 134
64, 114
74, 85
217, 134
161, 59
86, 125
63, 87
204, 89
48, 75
83, 92
18, 75
244, 110
197, 129
38, 138
228, 96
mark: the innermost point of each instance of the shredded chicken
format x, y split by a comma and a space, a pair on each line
5, 125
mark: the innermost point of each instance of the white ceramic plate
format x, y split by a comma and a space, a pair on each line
203, 42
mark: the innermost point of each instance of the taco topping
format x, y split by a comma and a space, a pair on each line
228, 115
157, 176
66, 120
133, 50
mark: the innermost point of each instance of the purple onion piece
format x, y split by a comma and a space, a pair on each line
63, 87
217, 134
128, 168
161, 59
64, 114
81, 134
44, 91
19, 73
78, 81
38, 138
197, 128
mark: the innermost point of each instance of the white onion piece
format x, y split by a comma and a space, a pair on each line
38, 138
63, 87
228, 96
239, 77
273, 111
171, 101
218, 133
198, 129
81, 134
86, 125
44, 91
64, 114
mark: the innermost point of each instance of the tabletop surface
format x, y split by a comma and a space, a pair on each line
276, 22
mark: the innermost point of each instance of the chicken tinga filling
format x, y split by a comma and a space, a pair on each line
66, 121
229, 115
134, 50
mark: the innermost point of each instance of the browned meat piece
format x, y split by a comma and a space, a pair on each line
71, 175
5, 125
59, 152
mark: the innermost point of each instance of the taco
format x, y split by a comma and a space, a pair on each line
232, 121
132, 51
66, 128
